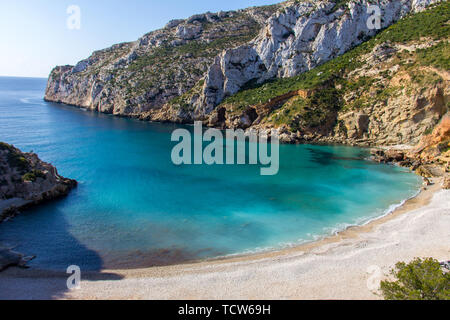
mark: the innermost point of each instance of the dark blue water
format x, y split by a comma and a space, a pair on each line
134, 208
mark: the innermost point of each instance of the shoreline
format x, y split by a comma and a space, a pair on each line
390, 211
421, 199
181, 281
336, 232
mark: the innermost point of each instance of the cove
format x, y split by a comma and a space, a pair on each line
135, 208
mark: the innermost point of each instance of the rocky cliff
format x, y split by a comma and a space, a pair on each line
297, 39
129, 79
392, 89
293, 66
25, 180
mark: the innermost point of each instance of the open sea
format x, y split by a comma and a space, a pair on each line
134, 208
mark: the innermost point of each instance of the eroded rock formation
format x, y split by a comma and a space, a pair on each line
25, 180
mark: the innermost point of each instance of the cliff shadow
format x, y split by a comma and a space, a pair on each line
44, 232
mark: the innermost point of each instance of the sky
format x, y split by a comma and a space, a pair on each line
35, 34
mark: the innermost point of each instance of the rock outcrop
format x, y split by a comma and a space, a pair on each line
130, 79
405, 111
194, 68
429, 159
10, 258
393, 89
225, 49
25, 180
446, 183
297, 39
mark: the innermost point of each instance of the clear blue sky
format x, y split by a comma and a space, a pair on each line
34, 36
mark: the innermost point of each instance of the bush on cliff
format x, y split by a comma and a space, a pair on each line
33, 175
432, 24
14, 158
418, 280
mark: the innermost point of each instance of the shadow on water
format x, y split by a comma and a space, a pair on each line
327, 158
46, 277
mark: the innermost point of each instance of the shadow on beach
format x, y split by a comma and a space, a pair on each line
46, 277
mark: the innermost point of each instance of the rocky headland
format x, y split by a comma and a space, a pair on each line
314, 70
429, 159
25, 181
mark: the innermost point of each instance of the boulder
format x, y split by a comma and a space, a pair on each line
393, 155
9, 258
390, 155
430, 171
446, 183
426, 182
189, 32
174, 23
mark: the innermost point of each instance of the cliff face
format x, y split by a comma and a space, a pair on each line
131, 78
399, 103
26, 180
295, 40
390, 90
236, 69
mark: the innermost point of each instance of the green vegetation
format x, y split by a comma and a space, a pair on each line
429, 131
297, 106
444, 146
418, 280
433, 23
167, 63
17, 161
106, 56
5, 146
195, 49
184, 101
437, 56
424, 78
33, 175
311, 112
339, 4
15, 158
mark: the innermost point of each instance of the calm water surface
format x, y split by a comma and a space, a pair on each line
134, 208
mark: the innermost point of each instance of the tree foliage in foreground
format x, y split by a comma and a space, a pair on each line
418, 280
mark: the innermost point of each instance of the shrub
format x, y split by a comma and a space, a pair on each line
15, 160
418, 280
437, 56
5, 146
33, 175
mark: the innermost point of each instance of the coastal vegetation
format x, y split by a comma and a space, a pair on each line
421, 279
192, 56
33, 175
431, 25
14, 158
27, 179
277, 67
393, 85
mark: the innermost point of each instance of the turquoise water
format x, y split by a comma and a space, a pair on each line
134, 208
